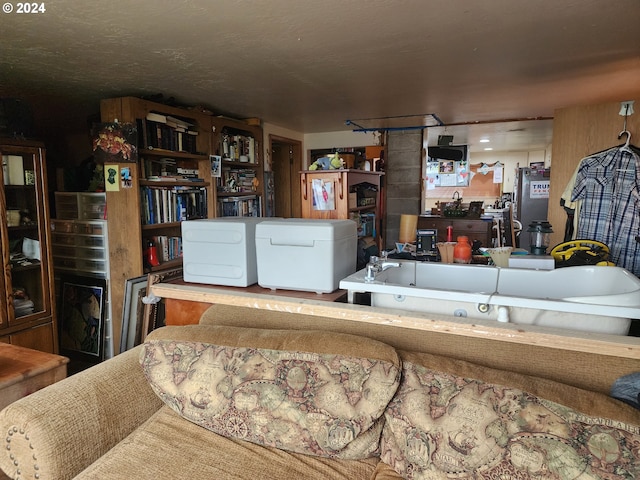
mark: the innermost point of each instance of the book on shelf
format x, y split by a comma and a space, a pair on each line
168, 247
238, 180
173, 178
169, 133
169, 120
167, 169
238, 147
240, 206
172, 204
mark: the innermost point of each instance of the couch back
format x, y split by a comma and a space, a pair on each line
589, 371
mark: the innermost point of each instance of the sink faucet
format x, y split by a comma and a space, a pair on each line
376, 266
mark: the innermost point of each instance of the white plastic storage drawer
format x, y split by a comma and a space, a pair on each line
220, 251
305, 254
80, 205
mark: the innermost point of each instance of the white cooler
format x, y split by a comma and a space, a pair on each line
305, 254
220, 251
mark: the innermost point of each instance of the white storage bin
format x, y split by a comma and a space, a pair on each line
305, 254
220, 251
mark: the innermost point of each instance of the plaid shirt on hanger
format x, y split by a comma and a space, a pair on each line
608, 183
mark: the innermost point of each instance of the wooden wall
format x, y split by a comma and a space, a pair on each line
578, 132
402, 180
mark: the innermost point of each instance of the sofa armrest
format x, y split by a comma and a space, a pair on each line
58, 431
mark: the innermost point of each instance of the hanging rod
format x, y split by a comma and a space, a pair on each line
420, 122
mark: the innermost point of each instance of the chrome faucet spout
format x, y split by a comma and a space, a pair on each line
375, 266
386, 265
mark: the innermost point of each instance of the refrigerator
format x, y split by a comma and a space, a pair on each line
530, 199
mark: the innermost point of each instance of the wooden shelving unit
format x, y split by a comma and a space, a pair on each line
239, 146
129, 231
343, 201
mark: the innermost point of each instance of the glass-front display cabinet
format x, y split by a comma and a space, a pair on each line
27, 306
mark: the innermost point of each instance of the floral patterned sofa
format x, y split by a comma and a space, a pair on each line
229, 399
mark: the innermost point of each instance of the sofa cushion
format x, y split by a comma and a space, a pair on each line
454, 419
167, 446
313, 392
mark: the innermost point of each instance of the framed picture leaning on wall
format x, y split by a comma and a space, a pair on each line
82, 318
133, 312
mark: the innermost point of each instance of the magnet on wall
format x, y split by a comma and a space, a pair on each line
111, 182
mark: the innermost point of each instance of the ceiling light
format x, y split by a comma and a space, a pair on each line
488, 148
484, 140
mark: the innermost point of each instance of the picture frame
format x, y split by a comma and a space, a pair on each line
133, 312
216, 165
82, 318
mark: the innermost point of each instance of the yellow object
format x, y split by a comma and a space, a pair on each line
564, 251
335, 162
408, 228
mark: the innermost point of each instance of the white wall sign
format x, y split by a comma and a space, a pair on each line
539, 189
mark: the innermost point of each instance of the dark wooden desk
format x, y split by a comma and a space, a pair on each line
474, 228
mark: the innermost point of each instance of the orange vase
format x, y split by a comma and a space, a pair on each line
462, 250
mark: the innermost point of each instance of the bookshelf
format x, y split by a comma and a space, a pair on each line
170, 182
239, 186
170, 160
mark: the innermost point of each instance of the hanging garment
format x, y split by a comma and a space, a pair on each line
572, 208
608, 185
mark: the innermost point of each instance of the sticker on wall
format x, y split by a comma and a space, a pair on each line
111, 183
125, 177
216, 165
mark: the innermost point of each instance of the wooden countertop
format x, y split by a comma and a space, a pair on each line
18, 363
335, 296
614, 345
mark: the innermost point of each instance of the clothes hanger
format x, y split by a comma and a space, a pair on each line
625, 147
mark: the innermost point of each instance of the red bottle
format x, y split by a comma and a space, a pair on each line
462, 250
151, 255
450, 233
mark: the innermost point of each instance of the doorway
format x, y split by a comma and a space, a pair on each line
286, 164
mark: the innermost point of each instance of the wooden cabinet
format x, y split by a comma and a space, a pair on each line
345, 194
27, 308
475, 229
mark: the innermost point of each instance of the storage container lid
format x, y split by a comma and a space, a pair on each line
296, 229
